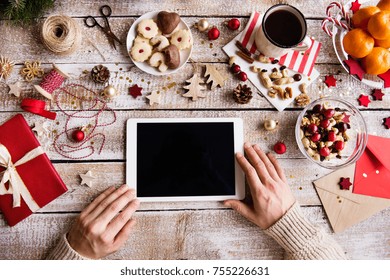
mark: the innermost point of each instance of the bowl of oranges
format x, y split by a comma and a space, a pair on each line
366, 42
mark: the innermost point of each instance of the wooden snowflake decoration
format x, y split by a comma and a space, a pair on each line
214, 77
194, 88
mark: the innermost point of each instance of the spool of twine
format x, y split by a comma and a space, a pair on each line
52, 81
61, 34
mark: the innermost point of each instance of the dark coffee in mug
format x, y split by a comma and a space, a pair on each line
284, 28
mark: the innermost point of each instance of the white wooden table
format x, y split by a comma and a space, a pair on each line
203, 230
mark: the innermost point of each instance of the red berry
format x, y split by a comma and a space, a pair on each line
233, 24
312, 128
328, 113
343, 127
324, 151
325, 123
235, 69
317, 108
243, 76
339, 145
78, 135
280, 148
213, 33
315, 137
332, 136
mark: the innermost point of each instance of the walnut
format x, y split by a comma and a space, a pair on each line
275, 90
302, 100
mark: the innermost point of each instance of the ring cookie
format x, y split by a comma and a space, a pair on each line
140, 39
181, 39
147, 28
140, 52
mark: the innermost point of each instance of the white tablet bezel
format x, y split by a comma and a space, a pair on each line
131, 157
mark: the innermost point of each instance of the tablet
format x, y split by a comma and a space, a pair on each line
185, 159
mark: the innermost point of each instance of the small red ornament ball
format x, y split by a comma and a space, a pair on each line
235, 69
233, 24
280, 148
213, 33
78, 135
243, 76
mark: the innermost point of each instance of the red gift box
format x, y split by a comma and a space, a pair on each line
27, 176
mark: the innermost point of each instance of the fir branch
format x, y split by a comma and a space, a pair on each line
23, 11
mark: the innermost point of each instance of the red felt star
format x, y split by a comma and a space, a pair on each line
377, 94
346, 118
364, 100
355, 6
345, 183
330, 81
135, 91
355, 68
386, 78
386, 122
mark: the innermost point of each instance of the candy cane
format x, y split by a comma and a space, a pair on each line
344, 13
334, 21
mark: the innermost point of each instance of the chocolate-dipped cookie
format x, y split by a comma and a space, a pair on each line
172, 56
167, 22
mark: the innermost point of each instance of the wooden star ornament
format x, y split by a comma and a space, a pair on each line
15, 89
40, 128
330, 81
87, 178
355, 6
154, 97
364, 100
355, 68
345, 183
377, 94
386, 122
135, 91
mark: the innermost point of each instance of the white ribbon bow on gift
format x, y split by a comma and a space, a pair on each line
16, 186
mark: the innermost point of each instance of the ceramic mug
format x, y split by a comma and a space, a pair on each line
283, 28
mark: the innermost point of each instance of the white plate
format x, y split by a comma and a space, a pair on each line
144, 66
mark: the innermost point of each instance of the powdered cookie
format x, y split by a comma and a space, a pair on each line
140, 39
160, 41
181, 39
158, 60
141, 52
147, 28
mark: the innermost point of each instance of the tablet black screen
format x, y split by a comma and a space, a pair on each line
185, 159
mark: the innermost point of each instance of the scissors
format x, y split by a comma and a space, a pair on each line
105, 11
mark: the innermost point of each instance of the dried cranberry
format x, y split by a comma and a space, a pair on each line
328, 113
317, 108
324, 151
315, 137
339, 145
312, 128
342, 126
325, 123
332, 136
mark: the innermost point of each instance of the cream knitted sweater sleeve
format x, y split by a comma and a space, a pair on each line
302, 240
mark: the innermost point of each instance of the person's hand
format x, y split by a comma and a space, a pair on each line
101, 228
268, 186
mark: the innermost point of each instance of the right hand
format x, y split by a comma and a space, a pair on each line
268, 186
101, 229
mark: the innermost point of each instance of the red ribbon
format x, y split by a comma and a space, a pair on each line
37, 107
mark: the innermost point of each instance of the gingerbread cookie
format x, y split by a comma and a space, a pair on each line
147, 28
140, 52
181, 39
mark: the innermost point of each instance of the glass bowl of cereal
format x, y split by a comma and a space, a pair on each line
331, 132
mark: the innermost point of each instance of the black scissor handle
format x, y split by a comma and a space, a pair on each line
105, 10
90, 21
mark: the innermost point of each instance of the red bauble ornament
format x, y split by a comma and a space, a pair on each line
280, 148
78, 135
213, 33
233, 24
243, 76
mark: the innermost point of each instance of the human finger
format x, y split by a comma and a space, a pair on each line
107, 201
115, 207
124, 233
267, 163
253, 179
241, 208
277, 166
257, 163
122, 218
97, 201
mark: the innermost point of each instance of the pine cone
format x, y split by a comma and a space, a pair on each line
242, 94
100, 74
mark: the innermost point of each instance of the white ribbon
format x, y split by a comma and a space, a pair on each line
16, 186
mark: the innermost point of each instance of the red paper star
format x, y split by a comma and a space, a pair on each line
135, 91
377, 94
355, 68
346, 118
330, 81
364, 100
355, 6
386, 122
345, 183
386, 78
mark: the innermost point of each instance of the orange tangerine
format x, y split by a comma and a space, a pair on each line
379, 25
377, 62
361, 17
383, 43
384, 5
358, 43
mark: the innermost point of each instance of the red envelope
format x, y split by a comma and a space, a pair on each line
372, 173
